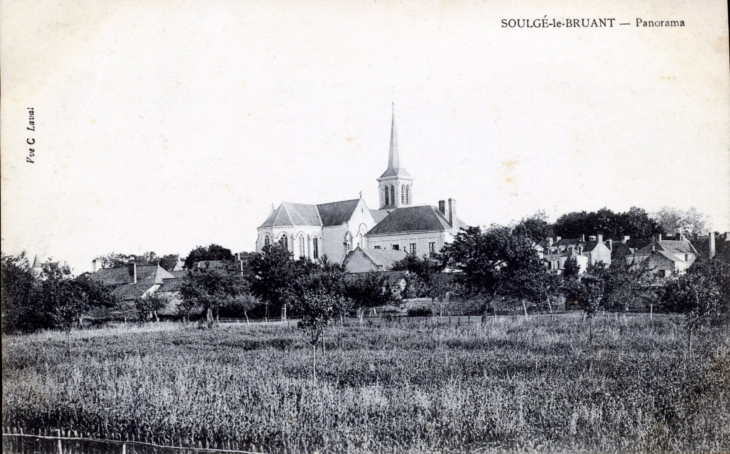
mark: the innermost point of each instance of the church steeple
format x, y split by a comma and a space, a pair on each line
396, 184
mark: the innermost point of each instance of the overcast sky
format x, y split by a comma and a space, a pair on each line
162, 125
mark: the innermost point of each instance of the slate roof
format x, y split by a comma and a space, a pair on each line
132, 291
322, 215
170, 285
670, 246
379, 215
149, 274
336, 213
383, 259
408, 219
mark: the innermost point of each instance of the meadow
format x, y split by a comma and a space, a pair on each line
509, 385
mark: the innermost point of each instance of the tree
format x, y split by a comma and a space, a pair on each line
571, 268
697, 296
625, 284
489, 262
686, 222
588, 292
169, 261
425, 278
367, 291
274, 272
537, 285
211, 289
318, 296
21, 310
148, 305
637, 223
203, 254
244, 303
537, 227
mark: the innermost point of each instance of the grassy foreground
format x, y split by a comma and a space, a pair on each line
509, 386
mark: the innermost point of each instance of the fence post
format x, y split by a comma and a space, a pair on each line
124, 448
60, 448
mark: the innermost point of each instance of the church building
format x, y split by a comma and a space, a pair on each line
337, 228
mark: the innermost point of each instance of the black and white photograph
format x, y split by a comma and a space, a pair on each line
365, 226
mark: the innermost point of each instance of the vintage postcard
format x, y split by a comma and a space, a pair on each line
141, 140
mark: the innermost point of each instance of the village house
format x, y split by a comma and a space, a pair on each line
365, 260
666, 257
132, 281
555, 252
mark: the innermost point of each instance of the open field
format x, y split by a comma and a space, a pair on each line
509, 386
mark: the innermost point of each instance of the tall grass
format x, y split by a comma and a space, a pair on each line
509, 385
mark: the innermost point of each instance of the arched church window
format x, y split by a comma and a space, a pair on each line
284, 241
403, 194
267, 242
302, 246
387, 196
392, 194
315, 248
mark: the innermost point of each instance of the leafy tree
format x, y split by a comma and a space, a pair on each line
537, 285
425, 278
637, 223
699, 295
317, 308
20, 310
212, 252
318, 296
367, 291
211, 289
489, 262
571, 268
243, 303
537, 227
625, 284
687, 222
148, 305
274, 272
588, 292
168, 262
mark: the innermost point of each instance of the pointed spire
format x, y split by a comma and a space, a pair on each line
393, 157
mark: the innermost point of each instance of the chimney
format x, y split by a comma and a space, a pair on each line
610, 245
134, 272
712, 244
599, 238
557, 239
658, 237
550, 241
452, 213
582, 238
625, 239
93, 266
442, 207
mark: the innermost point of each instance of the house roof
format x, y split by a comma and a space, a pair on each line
409, 219
336, 213
322, 215
670, 246
170, 285
379, 215
125, 275
132, 291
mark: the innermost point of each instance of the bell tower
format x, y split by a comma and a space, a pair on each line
395, 185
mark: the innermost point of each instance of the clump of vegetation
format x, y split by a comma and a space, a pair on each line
513, 385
